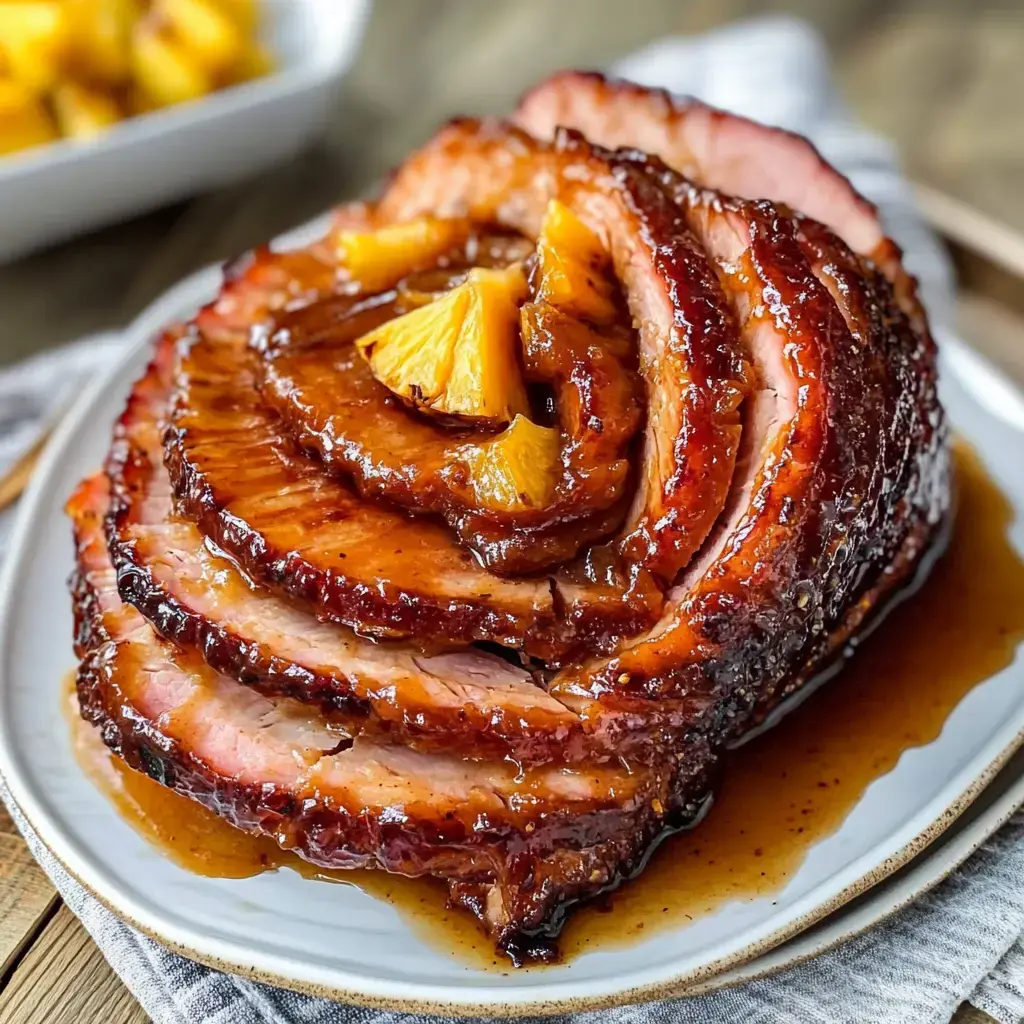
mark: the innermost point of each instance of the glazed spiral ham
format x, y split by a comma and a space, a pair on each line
464, 541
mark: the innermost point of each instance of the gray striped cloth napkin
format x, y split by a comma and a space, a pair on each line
963, 940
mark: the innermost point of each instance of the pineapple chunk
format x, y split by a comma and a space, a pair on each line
33, 39
164, 70
242, 12
457, 355
209, 34
572, 265
485, 370
379, 259
24, 121
83, 113
518, 470
100, 31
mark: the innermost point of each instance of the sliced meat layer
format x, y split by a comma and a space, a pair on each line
312, 374
274, 766
463, 700
690, 358
367, 565
289, 524
720, 150
843, 482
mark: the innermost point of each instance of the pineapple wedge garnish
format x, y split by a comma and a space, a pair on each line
100, 30
572, 265
255, 62
165, 71
457, 356
516, 471
244, 13
210, 34
379, 259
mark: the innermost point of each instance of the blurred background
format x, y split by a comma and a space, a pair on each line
944, 79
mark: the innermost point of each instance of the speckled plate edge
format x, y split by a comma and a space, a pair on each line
979, 377
916, 869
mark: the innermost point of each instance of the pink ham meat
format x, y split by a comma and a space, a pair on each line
724, 151
460, 699
275, 766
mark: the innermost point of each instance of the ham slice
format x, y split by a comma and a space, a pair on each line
722, 150
275, 766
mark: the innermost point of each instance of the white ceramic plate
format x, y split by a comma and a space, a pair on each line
996, 804
55, 191
337, 940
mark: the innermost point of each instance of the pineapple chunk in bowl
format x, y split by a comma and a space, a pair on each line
183, 138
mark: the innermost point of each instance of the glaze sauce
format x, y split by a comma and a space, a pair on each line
780, 794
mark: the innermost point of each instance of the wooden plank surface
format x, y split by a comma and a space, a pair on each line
26, 896
943, 78
63, 979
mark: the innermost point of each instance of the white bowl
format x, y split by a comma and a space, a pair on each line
53, 192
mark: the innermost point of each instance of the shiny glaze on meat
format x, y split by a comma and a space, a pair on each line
313, 376
848, 490
330, 403
277, 767
722, 151
361, 563
690, 359
293, 526
779, 795
461, 699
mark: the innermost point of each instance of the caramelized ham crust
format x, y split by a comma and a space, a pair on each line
313, 602
459, 699
275, 766
723, 151
693, 367
364, 564
312, 374
291, 525
841, 489
689, 357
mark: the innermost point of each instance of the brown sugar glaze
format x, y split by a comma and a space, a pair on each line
780, 794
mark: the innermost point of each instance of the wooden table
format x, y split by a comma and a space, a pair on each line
942, 77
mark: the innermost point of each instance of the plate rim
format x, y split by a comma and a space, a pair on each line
932, 867
486, 999
715, 977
